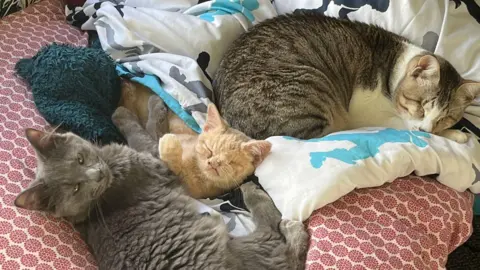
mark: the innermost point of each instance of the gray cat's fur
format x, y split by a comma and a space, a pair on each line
296, 74
133, 213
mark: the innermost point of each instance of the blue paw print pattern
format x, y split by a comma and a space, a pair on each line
367, 144
230, 7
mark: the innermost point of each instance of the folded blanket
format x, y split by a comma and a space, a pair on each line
76, 89
302, 176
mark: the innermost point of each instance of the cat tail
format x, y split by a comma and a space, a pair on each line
24, 68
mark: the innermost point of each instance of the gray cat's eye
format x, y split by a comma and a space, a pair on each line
80, 159
76, 188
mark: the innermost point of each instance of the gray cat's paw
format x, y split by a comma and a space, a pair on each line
122, 117
296, 236
255, 198
455, 135
156, 107
253, 193
261, 206
157, 122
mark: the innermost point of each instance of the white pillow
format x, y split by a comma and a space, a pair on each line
302, 176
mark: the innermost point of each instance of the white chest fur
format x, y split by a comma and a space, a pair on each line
370, 108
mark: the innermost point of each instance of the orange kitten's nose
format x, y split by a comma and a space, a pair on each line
213, 163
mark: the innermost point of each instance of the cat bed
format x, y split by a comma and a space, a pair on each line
30, 240
304, 175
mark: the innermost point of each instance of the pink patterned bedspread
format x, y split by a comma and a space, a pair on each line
412, 223
30, 240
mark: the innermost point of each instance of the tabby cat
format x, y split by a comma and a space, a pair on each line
209, 164
134, 214
307, 75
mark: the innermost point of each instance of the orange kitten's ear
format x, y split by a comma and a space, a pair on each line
214, 120
33, 198
471, 88
259, 150
427, 69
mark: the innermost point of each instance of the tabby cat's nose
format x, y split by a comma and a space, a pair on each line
101, 175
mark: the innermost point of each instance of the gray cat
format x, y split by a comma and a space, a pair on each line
133, 213
307, 75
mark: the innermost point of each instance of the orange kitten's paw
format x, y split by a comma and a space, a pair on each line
455, 135
169, 146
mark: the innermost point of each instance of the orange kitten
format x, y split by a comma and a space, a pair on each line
214, 162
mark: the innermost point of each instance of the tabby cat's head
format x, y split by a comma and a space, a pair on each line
70, 175
226, 155
432, 96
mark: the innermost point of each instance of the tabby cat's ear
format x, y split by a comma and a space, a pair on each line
41, 141
427, 70
33, 198
259, 150
471, 89
214, 120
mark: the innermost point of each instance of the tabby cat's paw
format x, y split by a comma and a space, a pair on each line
123, 117
168, 146
455, 135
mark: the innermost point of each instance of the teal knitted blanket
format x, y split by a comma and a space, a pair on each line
75, 88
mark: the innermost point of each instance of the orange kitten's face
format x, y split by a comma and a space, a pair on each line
226, 155
221, 156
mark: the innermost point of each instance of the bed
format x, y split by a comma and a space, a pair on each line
411, 223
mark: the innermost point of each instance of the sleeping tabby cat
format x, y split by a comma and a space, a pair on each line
307, 75
134, 214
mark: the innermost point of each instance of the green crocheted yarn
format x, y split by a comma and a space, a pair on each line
75, 88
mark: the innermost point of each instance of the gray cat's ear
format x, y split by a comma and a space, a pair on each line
214, 120
41, 141
259, 150
471, 89
427, 69
33, 198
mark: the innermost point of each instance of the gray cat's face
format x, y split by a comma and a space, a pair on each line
70, 175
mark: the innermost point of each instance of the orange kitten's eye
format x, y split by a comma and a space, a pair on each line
207, 151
